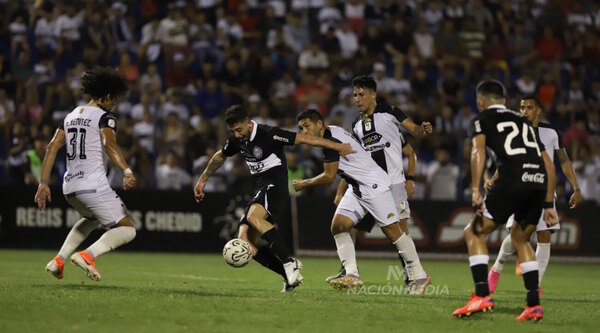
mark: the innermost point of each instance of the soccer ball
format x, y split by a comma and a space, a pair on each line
237, 252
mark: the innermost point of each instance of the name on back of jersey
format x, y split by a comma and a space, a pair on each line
79, 122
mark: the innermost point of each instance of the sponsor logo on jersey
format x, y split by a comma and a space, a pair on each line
531, 166
533, 178
282, 139
371, 139
257, 152
255, 168
78, 175
374, 186
111, 123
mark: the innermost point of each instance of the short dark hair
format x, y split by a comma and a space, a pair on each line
532, 98
235, 114
101, 82
490, 89
311, 114
364, 81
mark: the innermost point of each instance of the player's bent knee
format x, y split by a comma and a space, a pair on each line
341, 224
125, 222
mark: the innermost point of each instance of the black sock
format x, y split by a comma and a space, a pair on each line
531, 284
266, 258
480, 278
276, 245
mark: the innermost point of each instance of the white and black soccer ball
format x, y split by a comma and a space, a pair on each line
237, 252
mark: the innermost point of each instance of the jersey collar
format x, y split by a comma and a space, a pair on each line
254, 128
497, 106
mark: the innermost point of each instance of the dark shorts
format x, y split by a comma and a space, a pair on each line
526, 204
275, 200
366, 224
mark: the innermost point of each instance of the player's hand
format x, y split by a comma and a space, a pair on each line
426, 128
128, 182
477, 201
346, 149
550, 217
575, 199
199, 190
410, 188
42, 196
487, 186
298, 184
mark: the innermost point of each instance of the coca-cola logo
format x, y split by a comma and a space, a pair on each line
533, 177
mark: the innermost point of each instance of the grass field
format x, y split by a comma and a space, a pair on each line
155, 292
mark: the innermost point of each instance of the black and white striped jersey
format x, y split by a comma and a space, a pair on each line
380, 135
551, 139
364, 177
263, 153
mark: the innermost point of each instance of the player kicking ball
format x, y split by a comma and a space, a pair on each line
368, 192
552, 140
524, 184
262, 148
90, 131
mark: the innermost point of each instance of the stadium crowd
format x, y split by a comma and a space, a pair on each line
187, 61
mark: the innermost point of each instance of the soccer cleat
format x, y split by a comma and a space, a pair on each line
56, 267
86, 262
534, 313
417, 287
518, 270
540, 291
493, 277
292, 272
287, 288
341, 273
475, 304
346, 282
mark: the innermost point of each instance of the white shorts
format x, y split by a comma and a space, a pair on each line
401, 200
105, 207
382, 207
541, 226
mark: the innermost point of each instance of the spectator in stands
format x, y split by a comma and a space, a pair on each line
169, 176
442, 176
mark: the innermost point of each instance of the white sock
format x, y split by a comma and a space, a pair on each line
529, 266
542, 254
111, 240
81, 229
346, 252
506, 250
408, 251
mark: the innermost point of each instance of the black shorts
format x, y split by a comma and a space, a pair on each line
275, 200
366, 224
526, 204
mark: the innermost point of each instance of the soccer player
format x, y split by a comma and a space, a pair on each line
552, 140
377, 130
368, 192
90, 131
521, 189
262, 148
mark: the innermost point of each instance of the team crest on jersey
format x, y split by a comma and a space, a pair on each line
257, 152
371, 139
368, 124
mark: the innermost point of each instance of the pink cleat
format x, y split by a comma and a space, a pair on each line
493, 277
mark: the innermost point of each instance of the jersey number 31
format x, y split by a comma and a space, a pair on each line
72, 147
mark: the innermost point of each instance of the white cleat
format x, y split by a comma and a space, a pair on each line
292, 272
56, 267
87, 264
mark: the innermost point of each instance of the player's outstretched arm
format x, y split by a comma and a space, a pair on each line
549, 212
567, 168
43, 192
418, 131
343, 148
325, 178
477, 166
213, 165
109, 141
409, 152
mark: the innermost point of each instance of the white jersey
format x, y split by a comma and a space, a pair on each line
86, 159
551, 139
379, 134
364, 177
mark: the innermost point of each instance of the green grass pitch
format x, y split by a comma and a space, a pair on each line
157, 292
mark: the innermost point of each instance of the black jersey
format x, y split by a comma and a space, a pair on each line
514, 145
263, 153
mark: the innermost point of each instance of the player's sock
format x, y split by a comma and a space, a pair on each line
542, 254
406, 279
531, 279
408, 251
479, 269
346, 252
276, 246
506, 250
265, 257
111, 240
81, 229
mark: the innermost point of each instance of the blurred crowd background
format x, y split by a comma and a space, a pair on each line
187, 61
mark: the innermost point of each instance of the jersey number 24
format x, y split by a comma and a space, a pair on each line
514, 132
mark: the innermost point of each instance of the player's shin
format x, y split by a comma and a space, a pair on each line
265, 257
76, 236
506, 250
276, 245
408, 252
479, 269
111, 240
531, 280
346, 252
542, 254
